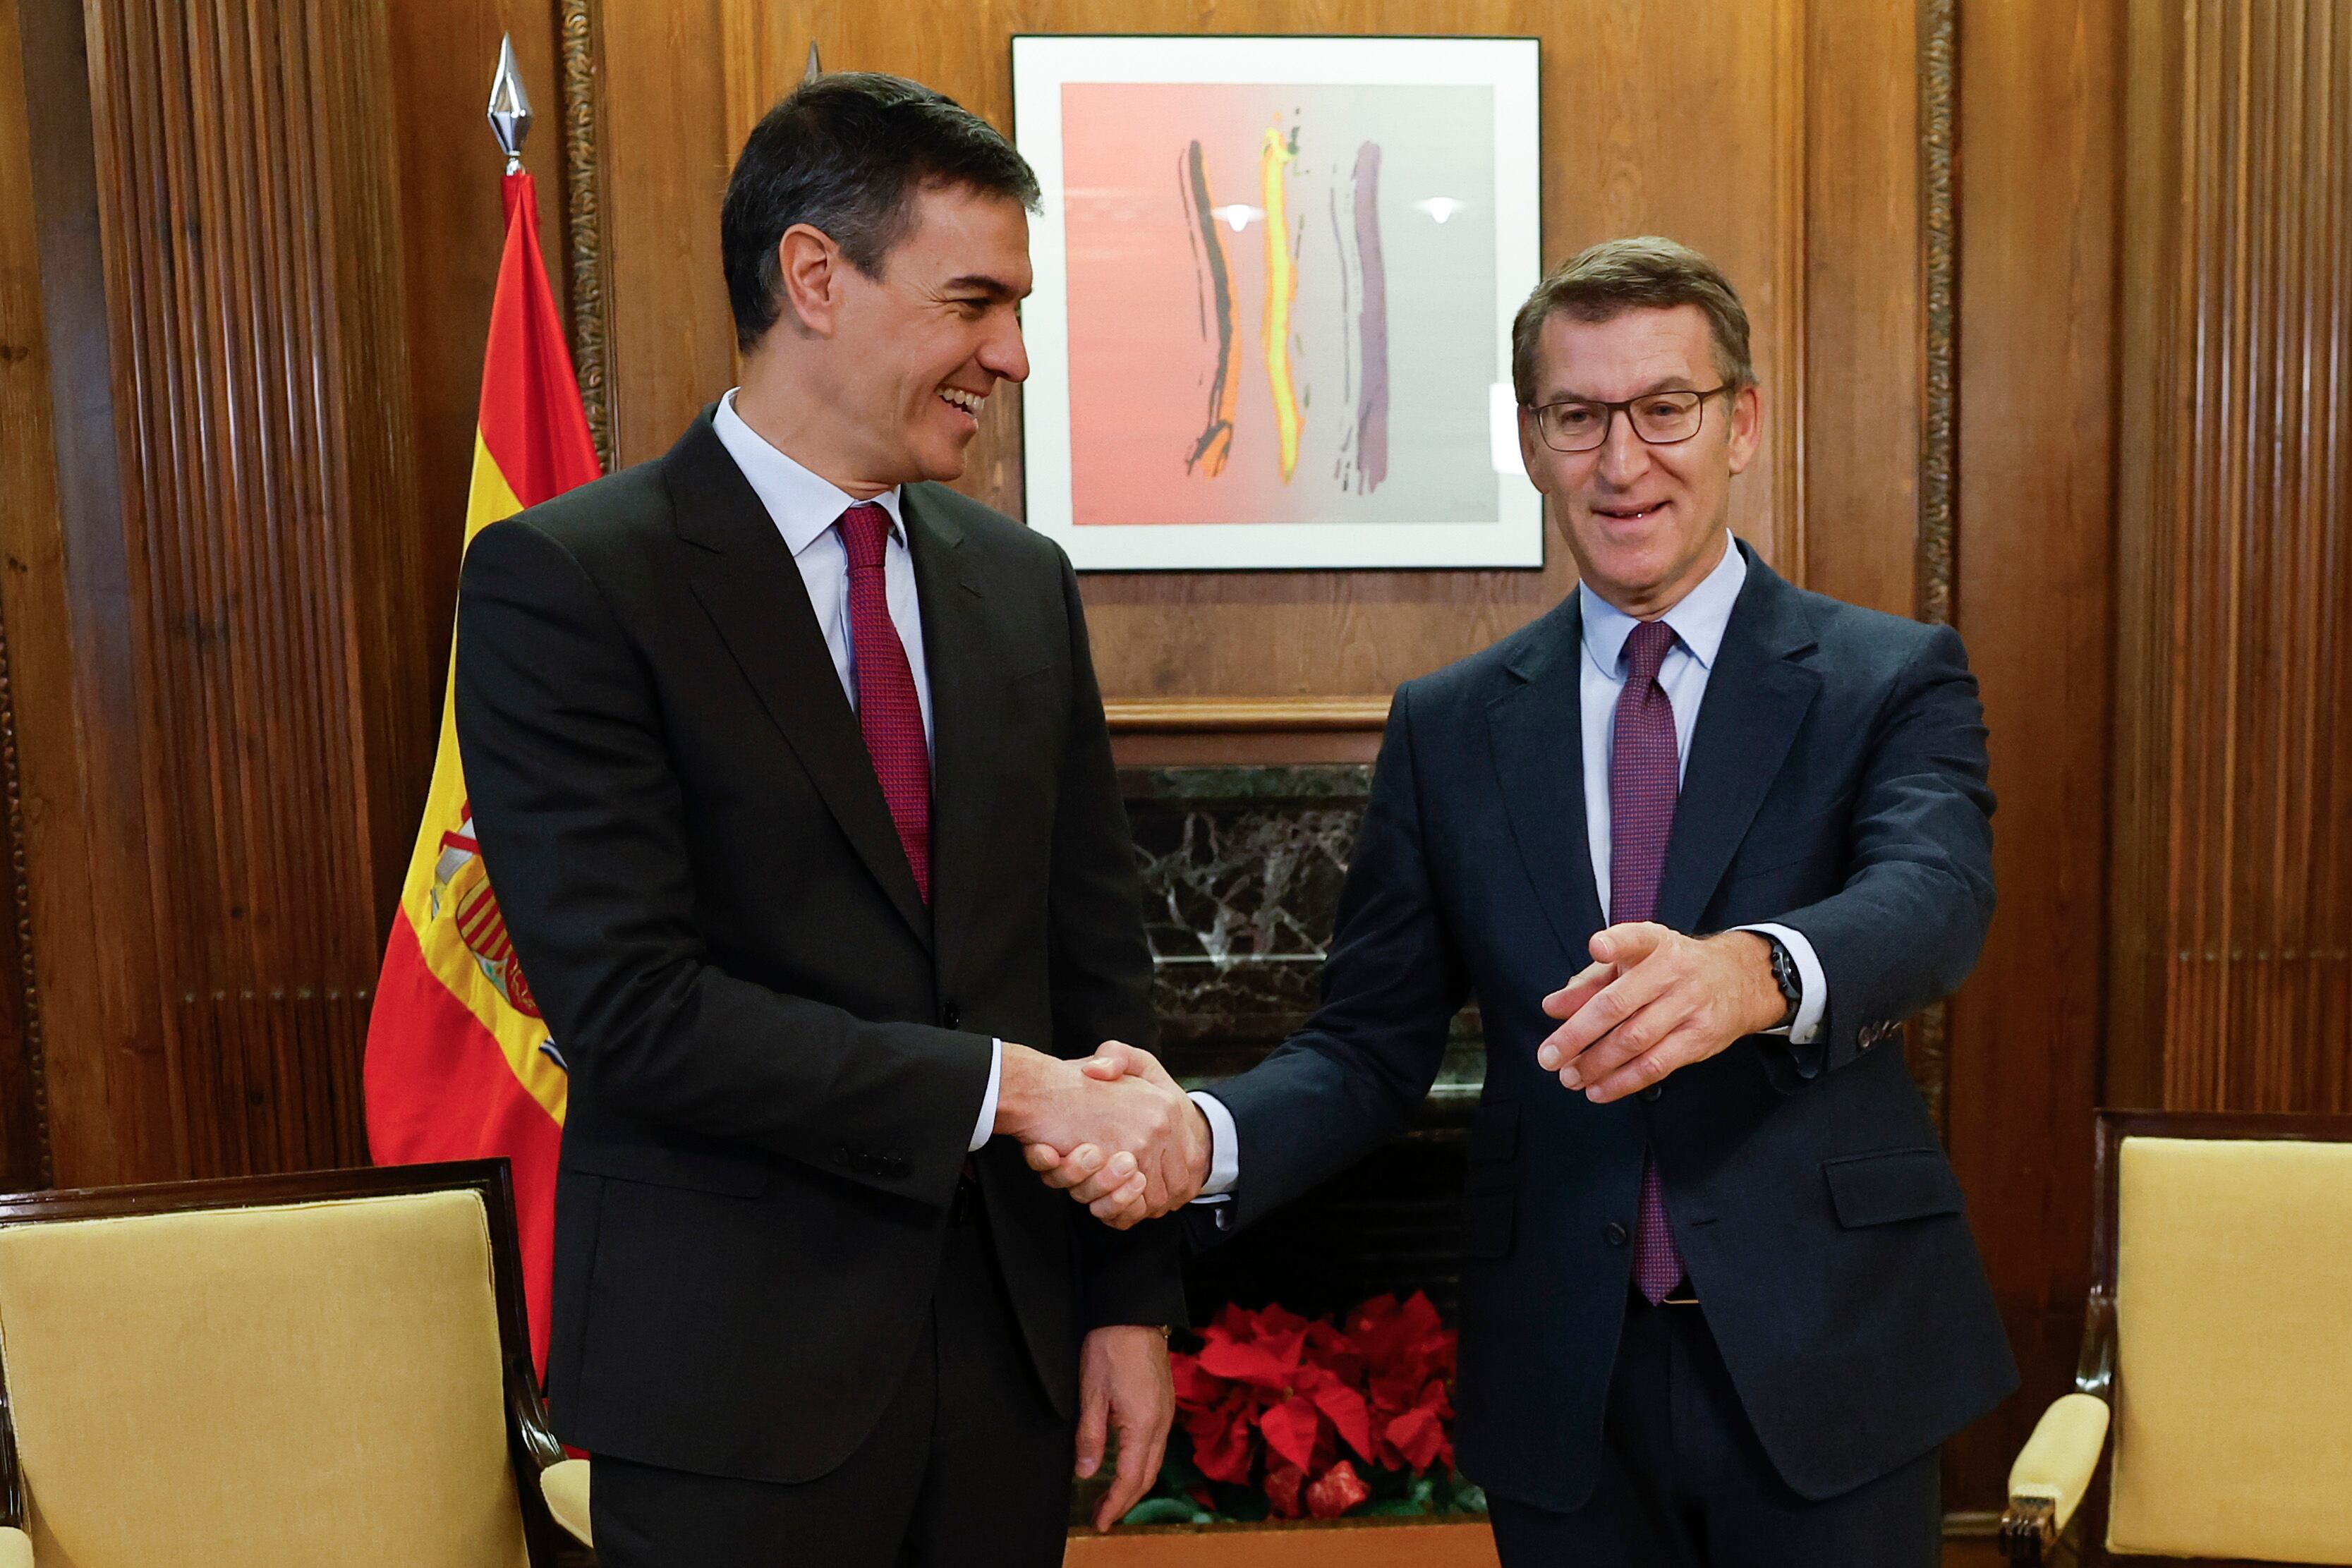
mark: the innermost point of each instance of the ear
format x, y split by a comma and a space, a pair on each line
1530, 443
811, 269
1747, 427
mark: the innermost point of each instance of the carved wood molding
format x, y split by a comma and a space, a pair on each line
21, 893
1927, 1042
583, 218
1194, 716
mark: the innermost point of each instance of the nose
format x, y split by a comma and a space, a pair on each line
1004, 354
1624, 457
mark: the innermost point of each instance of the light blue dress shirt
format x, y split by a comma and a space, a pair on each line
1699, 620
804, 507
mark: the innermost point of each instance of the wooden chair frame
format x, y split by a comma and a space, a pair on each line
532, 1446
2029, 1531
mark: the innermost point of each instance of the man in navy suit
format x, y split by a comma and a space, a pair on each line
1697, 840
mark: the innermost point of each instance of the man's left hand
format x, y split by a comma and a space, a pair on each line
1654, 1000
1124, 1385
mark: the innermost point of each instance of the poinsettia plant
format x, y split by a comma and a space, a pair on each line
1298, 1417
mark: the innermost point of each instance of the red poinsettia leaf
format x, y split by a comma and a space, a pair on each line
1283, 1485
1225, 1453
1289, 1429
1339, 1489
1237, 1361
1350, 1417
1418, 1317
1417, 1436
1195, 1387
1273, 1320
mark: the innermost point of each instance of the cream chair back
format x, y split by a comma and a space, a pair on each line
299, 1385
2233, 1331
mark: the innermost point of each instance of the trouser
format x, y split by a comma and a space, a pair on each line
969, 1466
1684, 1482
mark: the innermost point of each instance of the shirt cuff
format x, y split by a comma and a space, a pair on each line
1224, 1149
1812, 983
980, 1134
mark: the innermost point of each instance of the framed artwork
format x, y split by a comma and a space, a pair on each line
1275, 282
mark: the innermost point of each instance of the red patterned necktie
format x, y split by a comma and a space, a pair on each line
889, 714
1644, 780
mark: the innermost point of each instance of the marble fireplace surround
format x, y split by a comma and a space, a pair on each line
1242, 867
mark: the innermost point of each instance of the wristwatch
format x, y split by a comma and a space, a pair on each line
1785, 975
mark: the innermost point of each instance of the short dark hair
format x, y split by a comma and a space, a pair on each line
843, 153
1602, 282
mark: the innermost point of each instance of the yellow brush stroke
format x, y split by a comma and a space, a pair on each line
519, 1035
1281, 290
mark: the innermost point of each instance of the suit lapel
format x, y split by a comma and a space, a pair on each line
1757, 696
967, 680
1536, 728
747, 583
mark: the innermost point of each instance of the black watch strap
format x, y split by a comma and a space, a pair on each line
1785, 975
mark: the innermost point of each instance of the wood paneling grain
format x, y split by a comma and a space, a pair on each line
28, 482
2039, 96
1639, 107
452, 229
2233, 868
246, 207
66, 598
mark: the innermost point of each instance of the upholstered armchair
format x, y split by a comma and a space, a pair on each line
2218, 1343
274, 1371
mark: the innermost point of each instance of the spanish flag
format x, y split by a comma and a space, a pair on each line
459, 1064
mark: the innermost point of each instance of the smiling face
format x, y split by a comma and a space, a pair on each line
1645, 523
918, 349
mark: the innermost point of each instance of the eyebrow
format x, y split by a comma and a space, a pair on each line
1663, 383
981, 283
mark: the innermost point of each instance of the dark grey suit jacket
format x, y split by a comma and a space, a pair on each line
1836, 785
778, 1053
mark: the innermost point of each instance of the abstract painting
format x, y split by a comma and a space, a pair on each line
1274, 285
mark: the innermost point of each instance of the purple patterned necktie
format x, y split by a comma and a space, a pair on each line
889, 714
1644, 779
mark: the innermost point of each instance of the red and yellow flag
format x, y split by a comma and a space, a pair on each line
459, 1064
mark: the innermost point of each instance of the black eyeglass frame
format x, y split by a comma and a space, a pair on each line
1609, 412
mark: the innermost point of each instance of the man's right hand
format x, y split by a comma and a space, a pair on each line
1114, 1131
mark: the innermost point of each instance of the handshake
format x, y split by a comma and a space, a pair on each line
1112, 1130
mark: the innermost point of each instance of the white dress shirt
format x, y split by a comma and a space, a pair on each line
805, 509
1699, 620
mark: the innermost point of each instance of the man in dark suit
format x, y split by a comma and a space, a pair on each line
1696, 840
791, 769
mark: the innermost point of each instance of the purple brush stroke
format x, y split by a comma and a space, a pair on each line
1371, 324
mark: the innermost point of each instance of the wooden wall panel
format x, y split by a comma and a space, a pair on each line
66, 596
2038, 96
1621, 84
28, 482
452, 227
2234, 873
260, 652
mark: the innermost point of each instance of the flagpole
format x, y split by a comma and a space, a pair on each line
510, 112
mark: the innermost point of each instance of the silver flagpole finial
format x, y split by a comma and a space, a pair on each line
510, 107
814, 70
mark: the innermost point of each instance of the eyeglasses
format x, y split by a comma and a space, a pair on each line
1659, 418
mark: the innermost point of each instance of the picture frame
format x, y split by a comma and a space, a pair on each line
1274, 278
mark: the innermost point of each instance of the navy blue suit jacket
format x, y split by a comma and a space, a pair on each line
1835, 784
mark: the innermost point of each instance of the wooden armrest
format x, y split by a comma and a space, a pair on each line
564, 1485
2051, 1473
15, 1549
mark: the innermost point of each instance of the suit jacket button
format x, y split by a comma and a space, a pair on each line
894, 1166
1616, 1232
951, 1017
843, 1158
1653, 1091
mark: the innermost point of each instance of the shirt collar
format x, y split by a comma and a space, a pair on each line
1698, 618
802, 505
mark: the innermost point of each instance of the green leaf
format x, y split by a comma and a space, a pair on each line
1166, 1510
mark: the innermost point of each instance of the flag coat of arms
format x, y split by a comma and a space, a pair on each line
460, 1063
